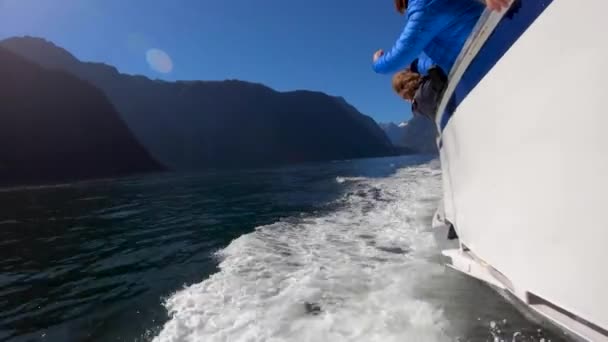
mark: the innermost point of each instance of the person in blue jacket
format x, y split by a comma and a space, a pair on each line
422, 64
437, 29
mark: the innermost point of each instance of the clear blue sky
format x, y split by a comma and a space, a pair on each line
323, 45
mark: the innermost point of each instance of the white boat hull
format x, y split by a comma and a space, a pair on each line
525, 164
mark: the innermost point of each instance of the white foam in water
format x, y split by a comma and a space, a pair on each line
348, 179
345, 276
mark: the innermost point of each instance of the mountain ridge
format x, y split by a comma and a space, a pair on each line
56, 127
181, 123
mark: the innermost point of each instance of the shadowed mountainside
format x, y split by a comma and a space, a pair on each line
56, 127
198, 124
416, 135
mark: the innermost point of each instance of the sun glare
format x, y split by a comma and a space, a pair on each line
159, 61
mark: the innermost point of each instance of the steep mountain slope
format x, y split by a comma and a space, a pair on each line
193, 125
56, 127
416, 135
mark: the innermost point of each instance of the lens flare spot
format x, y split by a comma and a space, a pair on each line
159, 61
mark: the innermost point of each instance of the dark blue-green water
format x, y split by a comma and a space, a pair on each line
336, 251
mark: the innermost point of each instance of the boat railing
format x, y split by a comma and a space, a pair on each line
480, 34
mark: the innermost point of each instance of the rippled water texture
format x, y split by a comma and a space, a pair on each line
326, 252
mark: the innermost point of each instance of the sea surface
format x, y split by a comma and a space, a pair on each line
339, 251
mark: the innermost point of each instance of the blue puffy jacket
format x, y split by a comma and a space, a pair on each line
438, 28
422, 64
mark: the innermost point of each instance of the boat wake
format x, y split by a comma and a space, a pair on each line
366, 271
347, 275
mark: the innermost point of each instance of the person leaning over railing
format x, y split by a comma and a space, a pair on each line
435, 28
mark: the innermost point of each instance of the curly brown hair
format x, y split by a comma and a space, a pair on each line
405, 84
400, 6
